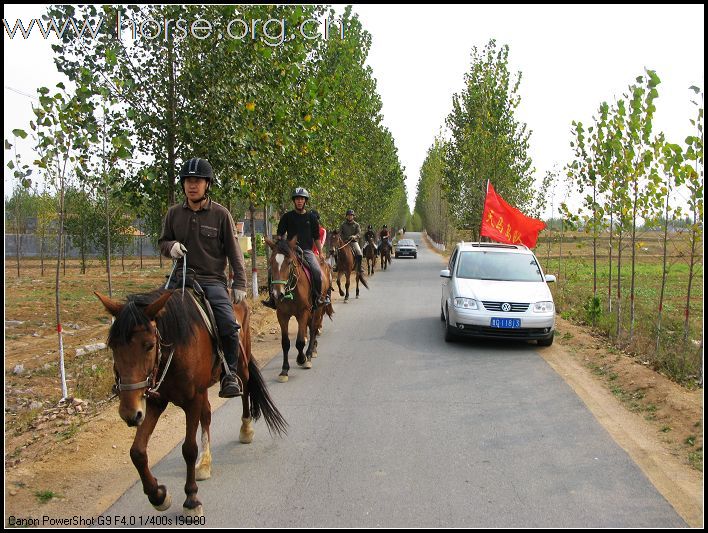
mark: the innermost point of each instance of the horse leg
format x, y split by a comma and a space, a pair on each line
192, 506
346, 286
157, 494
203, 470
339, 284
302, 324
245, 436
357, 283
285, 343
313, 336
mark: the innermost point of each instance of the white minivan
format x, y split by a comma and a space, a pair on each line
496, 290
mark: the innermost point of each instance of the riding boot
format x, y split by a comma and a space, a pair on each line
230, 381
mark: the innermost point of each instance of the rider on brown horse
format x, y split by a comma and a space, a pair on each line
207, 228
370, 236
350, 232
306, 226
384, 235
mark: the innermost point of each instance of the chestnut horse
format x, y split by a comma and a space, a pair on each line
385, 251
345, 264
162, 352
370, 255
292, 291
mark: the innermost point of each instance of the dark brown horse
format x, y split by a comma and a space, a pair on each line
292, 291
385, 251
370, 255
345, 264
162, 352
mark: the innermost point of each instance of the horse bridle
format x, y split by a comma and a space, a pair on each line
292, 277
151, 377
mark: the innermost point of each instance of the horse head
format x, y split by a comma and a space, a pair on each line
135, 342
282, 262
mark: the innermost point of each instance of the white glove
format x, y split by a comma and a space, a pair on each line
237, 295
178, 250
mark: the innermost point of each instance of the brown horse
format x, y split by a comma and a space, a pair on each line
292, 291
370, 255
163, 352
345, 264
385, 251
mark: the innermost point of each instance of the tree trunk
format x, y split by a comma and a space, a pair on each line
266, 233
57, 291
254, 267
17, 250
663, 274
171, 106
634, 261
609, 275
619, 285
41, 254
686, 328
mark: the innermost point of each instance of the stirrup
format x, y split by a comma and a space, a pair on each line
232, 388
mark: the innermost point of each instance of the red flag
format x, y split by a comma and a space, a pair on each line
505, 223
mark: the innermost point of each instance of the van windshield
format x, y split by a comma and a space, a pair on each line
498, 266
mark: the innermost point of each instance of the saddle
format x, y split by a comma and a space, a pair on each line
196, 292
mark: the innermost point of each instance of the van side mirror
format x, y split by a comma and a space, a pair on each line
445, 273
550, 278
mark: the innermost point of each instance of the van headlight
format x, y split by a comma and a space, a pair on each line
543, 307
466, 303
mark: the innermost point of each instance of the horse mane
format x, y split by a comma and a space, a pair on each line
283, 247
176, 324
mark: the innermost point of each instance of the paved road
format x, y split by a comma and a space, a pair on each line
395, 428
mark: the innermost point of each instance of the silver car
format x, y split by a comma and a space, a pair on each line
496, 290
406, 248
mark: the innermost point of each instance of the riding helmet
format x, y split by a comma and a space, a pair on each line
350, 212
300, 191
196, 167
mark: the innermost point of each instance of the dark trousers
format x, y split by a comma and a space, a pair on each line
220, 303
315, 270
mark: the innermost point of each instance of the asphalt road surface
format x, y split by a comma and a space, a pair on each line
393, 427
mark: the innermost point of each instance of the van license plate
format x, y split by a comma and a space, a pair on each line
506, 323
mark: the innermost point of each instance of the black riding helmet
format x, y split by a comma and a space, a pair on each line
368, 227
197, 168
350, 212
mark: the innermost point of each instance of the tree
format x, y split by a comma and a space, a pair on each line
487, 140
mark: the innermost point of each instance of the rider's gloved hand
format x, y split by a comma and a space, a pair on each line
237, 295
178, 250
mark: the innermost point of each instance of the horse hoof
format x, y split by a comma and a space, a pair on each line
308, 364
165, 504
197, 511
282, 379
202, 473
303, 365
314, 355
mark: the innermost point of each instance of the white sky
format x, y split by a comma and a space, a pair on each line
572, 58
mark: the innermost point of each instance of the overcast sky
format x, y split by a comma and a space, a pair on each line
572, 58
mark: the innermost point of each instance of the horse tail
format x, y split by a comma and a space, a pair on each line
363, 280
261, 402
329, 310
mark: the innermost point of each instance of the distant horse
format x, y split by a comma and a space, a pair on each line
292, 291
385, 251
370, 255
163, 352
345, 264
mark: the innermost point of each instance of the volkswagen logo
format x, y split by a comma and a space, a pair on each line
506, 307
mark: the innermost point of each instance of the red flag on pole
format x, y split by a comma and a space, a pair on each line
505, 223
